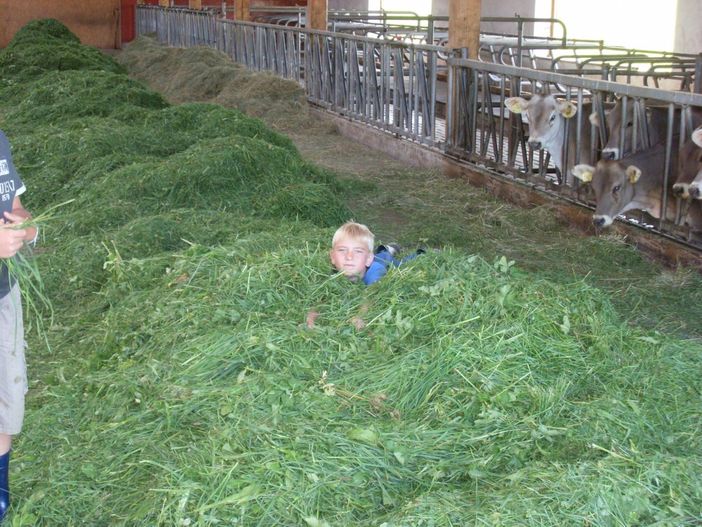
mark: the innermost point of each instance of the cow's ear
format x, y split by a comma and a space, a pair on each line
594, 119
583, 172
567, 109
516, 104
697, 137
633, 173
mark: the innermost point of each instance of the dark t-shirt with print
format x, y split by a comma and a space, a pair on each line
10, 186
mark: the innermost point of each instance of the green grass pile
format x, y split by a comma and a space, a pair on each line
473, 392
60, 95
47, 45
123, 154
204, 74
182, 386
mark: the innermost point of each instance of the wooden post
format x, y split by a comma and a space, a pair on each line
464, 25
195, 4
241, 10
317, 14
164, 3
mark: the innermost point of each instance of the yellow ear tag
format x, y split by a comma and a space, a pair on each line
569, 110
583, 172
633, 173
515, 104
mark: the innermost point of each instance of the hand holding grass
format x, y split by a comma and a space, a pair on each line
12, 237
20, 226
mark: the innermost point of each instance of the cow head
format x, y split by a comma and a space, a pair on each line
613, 184
689, 178
617, 124
697, 137
694, 168
545, 115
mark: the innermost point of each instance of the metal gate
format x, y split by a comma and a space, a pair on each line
430, 95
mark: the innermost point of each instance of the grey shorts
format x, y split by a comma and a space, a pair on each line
13, 369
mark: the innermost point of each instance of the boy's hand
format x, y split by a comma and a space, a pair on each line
11, 240
311, 318
13, 219
358, 323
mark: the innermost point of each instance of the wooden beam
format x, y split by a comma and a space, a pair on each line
241, 10
195, 4
164, 3
317, 14
464, 25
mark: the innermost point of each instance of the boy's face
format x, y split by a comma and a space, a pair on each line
351, 257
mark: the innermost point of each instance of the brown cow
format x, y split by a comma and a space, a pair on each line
548, 119
635, 182
689, 182
649, 131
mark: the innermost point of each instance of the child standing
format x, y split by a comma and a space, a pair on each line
13, 377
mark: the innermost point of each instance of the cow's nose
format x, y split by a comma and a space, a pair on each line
598, 221
680, 189
536, 145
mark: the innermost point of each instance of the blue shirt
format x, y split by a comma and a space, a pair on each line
10, 186
381, 262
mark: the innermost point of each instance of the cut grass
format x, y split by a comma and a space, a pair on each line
496, 382
411, 206
481, 382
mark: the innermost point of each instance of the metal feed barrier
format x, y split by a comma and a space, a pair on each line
430, 95
388, 84
561, 54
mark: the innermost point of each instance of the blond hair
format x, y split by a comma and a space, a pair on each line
354, 231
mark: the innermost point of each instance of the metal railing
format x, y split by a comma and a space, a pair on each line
390, 85
481, 130
455, 105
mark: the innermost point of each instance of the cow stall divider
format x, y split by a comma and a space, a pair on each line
432, 96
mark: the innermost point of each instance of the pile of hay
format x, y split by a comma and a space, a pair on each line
204, 74
474, 391
47, 45
183, 388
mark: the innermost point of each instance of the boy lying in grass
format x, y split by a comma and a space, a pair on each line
352, 255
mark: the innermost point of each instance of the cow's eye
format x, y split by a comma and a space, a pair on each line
616, 188
552, 118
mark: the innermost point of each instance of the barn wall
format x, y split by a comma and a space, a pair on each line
95, 22
506, 8
523, 8
688, 37
355, 5
277, 3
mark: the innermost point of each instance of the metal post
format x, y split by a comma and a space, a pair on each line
520, 36
450, 103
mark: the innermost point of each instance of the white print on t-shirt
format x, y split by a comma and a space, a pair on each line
4, 167
7, 190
